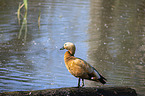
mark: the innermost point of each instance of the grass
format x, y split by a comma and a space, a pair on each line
26, 4
24, 22
18, 12
39, 16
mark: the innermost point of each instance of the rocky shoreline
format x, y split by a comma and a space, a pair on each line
72, 91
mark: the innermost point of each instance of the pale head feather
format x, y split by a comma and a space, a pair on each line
70, 47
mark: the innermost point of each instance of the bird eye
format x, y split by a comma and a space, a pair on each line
65, 44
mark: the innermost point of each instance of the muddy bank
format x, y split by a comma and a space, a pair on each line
71, 91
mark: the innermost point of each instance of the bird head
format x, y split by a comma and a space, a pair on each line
70, 47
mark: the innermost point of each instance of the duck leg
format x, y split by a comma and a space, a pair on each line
82, 82
79, 82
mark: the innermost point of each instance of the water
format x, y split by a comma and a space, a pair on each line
109, 35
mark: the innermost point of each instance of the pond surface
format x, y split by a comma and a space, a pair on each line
109, 35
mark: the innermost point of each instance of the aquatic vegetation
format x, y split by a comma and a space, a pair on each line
24, 25
24, 22
18, 12
26, 4
39, 16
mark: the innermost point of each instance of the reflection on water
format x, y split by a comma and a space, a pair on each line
35, 62
109, 35
116, 43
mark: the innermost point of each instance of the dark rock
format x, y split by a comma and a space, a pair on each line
86, 91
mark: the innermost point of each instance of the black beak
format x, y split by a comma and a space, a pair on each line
62, 48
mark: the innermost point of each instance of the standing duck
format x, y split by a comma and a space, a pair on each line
80, 68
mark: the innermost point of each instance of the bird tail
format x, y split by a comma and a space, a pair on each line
99, 77
102, 79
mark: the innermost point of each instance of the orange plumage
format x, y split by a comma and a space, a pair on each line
80, 68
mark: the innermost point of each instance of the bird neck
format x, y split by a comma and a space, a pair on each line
68, 55
72, 50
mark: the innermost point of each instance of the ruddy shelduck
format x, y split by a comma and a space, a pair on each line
79, 67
